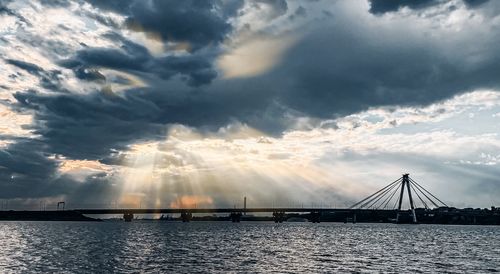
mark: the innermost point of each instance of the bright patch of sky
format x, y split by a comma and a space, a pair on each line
327, 156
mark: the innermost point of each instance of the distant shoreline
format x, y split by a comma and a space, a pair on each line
67, 215
437, 216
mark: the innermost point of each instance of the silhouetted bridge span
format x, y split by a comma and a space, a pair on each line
235, 214
209, 210
385, 205
389, 199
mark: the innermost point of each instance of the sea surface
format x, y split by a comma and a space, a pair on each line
248, 247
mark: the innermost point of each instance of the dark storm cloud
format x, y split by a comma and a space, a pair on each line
48, 79
120, 6
339, 71
383, 6
201, 23
196, 22
89, 126
331, 71
27, 172
475, 3
130, 55
57, 3
197, 68
31, 68
89, 74
109, 58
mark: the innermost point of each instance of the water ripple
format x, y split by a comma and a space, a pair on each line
151, 247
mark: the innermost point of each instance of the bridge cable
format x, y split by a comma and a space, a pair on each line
367, 200
428, 198
418, 195
390, 197
382, 195
369, 197
429, 193
394, 190
395, 203
375, 199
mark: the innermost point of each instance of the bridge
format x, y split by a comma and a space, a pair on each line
235, 214
378, 203
386, 204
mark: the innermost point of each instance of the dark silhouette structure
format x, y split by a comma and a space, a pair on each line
385, 197
385, 205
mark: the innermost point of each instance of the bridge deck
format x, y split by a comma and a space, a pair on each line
213, 210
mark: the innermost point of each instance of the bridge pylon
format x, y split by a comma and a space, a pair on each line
406, 182
393, 194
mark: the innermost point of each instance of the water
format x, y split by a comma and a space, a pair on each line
87, 247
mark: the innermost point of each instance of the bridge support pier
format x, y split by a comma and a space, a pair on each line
278, 216
350, 220
128, 217
235, 217
186, 216
315, 217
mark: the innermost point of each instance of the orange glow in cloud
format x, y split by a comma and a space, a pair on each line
192, 201
131, 200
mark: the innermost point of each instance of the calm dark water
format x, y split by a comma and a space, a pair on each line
71, 247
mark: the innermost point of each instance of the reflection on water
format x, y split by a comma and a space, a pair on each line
248, 247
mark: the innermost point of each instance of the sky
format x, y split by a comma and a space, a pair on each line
163, 103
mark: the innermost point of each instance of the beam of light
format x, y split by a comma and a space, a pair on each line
219, 171
322, 165
254, 57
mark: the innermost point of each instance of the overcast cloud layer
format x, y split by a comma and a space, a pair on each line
159, 101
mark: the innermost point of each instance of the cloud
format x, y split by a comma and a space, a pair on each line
380, 7
13, 124
383, 6
475, 3
254, 56
200, 24
271, 9
327, 73
31, 68
29, 175
118, 74
68, 128
305, 164
26, 172
190, 27
135, 58
48, 79
383, 61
